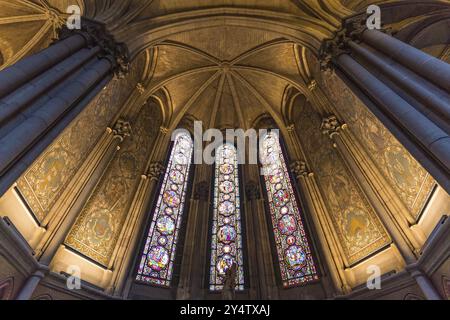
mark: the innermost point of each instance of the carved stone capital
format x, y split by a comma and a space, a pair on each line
300, 169
290, 128
201, 191
122, 129
312, 85
351, 30
140, 88
252, 191
96, 34
155, 169
164, 130
331, 126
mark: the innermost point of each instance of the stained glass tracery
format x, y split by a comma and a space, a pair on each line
156, 265
226, 240
294, 254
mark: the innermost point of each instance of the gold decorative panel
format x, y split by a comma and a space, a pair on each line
98, 226
43, 183
358, 228
406, 176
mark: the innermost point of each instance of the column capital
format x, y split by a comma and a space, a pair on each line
96, 34
331, 126
121, 129
334, 47
252, 191
300, 169
155, 169
312, 85
140, 88
201, 191
290, 128
164, 130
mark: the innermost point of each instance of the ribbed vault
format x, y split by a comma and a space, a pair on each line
224, 82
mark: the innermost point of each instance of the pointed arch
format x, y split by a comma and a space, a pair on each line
158, 256
226, 231
293, 249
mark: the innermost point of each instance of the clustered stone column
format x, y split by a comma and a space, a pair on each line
324, 230
41, 94
407, 89
188, 284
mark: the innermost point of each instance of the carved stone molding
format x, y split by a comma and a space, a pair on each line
290, 128
252, 191
201, 191
300, 169
96, 34
331, 126
164, 130
122, 129
155, 169
312, 85
351, 29
140, 88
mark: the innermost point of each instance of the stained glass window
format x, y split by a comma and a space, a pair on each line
226, 240
156, 265
294, 254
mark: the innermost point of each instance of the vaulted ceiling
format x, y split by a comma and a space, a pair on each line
224, 62
226, 76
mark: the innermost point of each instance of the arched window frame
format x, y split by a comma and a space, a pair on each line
240, 285
314, 276
175, 254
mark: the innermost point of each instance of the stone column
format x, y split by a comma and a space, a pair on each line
258, 287
108, 146
126, 250
408, 93
188, 286
31, 284
319, 214
266, 282
323, 227
424, 283
52, 88
27, 68
429, 67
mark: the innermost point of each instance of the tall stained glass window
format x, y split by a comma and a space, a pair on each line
156, 265
294, 254
226, 241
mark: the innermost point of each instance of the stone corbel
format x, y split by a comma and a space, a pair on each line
140, 88
290, 128
300, 169
312, 85
154, 171
96, 34
331, 126
351, 29
122, 129
164, 130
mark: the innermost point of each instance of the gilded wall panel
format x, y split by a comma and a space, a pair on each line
409, 180
43, 183
358, 228
98, 226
